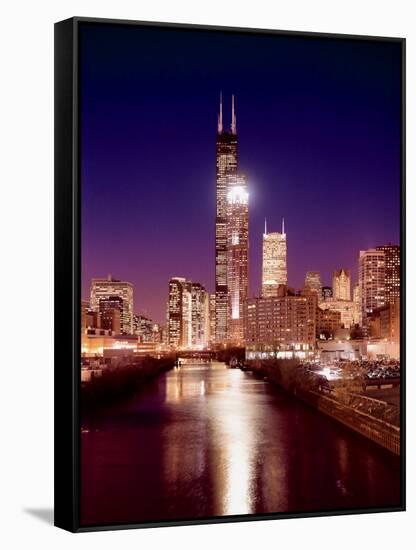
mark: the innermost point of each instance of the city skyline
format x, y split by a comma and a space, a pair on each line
278, 151
241, 271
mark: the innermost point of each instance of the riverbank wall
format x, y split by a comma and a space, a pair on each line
355, 414
117, 383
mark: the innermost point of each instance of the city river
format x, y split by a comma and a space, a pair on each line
205, 440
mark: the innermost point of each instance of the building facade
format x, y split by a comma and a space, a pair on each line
286, 323
392, 272
384, 323
341, 284
200, 316
237, 256
371, 278
356, 298
344, 307
143, 328
175, 317
111, 310
313, 282
188, 314
327, 323
110, 287
212, 318
274, 266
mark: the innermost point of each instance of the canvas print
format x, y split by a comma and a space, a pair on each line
240, 274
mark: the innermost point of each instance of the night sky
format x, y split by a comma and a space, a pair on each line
318, 124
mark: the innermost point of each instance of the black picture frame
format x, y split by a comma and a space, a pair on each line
67, 293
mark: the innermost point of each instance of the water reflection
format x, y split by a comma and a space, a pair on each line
205, 440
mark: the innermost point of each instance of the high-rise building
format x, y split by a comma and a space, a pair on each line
313, 282
179, 314
372, 281
111, 309
356, 298
274, 269
104, 288
392, 272
188, 316
237, 255
200, 316
341, 284
226, 166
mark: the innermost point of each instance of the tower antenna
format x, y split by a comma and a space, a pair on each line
233, 117
220, 116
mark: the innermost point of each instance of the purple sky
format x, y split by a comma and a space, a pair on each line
318, 124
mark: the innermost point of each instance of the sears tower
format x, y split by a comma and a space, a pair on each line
231, 234
226, 167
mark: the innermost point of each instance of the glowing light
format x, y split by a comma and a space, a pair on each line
237, 195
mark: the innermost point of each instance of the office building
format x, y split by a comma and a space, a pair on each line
286, 323
237, 256
344, 307
313, 282
110, 309
104, 288
226, 167
372, 281
327, 323
274, 268
200, 316
188, 315
392, 272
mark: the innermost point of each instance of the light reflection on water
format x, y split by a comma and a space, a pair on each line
206, 440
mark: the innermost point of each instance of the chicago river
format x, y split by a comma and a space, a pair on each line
205, 440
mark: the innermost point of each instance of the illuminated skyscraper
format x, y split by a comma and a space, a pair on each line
341, 284
237, 255
179, 313
392, 272
199, 315
274, 271
188, 316
313, 282
372, 280
104, 288
226, 167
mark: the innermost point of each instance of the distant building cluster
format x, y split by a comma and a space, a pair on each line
108, 322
